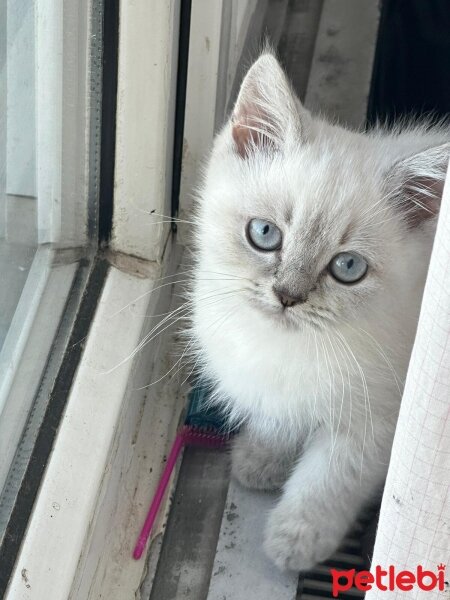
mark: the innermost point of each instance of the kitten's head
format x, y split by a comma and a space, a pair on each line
313, 223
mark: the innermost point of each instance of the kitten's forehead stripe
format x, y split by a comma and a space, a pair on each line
315, 227
313, 238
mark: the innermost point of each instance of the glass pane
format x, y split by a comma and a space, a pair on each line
18, 210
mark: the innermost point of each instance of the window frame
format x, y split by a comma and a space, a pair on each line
118, 276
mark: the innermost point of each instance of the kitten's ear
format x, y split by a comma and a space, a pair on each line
267, 110
417, 183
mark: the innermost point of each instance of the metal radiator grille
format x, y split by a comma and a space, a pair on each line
318, 583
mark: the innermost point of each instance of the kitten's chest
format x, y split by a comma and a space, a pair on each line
298, 379
266, 372
272, 373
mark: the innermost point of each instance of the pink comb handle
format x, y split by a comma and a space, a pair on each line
187, 435
156, 502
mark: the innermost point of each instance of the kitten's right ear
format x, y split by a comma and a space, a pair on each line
266, 111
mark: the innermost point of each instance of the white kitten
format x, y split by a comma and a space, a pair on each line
312, 250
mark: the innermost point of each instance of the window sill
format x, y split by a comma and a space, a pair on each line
107, 455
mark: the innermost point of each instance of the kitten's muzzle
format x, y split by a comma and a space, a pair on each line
288, 300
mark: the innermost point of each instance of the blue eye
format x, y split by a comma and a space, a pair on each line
264, 235
348, 267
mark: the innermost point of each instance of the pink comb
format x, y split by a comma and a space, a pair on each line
187, 435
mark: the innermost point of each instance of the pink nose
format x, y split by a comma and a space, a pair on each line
287, 299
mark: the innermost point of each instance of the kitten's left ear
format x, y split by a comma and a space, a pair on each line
267, 112
417, 183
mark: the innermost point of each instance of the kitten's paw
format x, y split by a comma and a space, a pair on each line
259, 467
296, 543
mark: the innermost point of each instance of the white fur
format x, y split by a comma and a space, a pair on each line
324, 376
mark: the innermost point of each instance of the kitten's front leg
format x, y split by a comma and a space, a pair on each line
321, 500
261, 464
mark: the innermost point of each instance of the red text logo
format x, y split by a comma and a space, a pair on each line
388, 579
